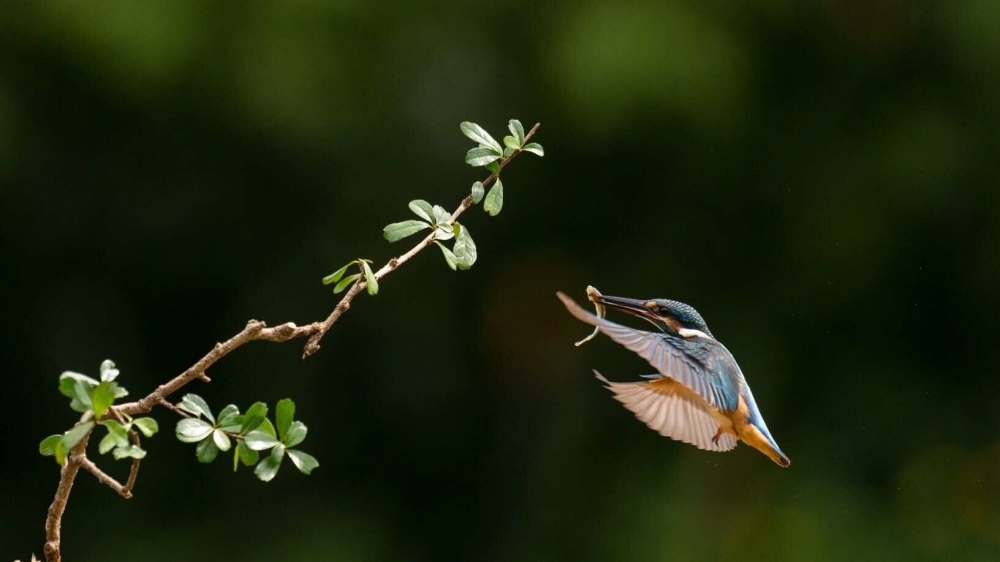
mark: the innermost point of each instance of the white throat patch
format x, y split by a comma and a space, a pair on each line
689, 333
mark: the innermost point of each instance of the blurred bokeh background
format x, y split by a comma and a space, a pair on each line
819, 179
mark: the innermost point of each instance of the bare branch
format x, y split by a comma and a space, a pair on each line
254, 330
133, 472
104, 478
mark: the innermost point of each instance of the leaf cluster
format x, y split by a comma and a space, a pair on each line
489, 153
463, 253
343, 282
94, 398
251, 431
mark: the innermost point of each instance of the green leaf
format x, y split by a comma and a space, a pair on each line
255, 409
119, 391
83, 393
494, 199
305, 462
108, 371
449, 257
506, 153
73, 436
128, 452
399, 230
284, 413
236, 424
221, 440
478, 134
233, 426
228, 416
48, 445
268, 468
68, 380
534, 148
517, 130
190, 430
441, 216
370, 280
345, 282
117, 432
511, 143
196, 405
259, 440
107, 443
422, 209
147, 426
267, 428
102, 398
60, 452
477, 192
247, 455
465, 248
254, 417
494, 167
295, 435
206, 451
336, 275
482, 156
444, 232
117, 436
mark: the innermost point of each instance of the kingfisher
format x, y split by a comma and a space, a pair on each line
699, 395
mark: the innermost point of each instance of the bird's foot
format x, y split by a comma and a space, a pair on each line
718, 434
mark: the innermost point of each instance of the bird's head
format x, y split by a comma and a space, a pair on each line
667, 315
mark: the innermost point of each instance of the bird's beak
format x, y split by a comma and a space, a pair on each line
642, 308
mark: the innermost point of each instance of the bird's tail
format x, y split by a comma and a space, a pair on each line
758, 437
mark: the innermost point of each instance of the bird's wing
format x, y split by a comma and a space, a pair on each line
672, 410
689, 363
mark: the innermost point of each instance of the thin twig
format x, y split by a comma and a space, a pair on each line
312, 346
133, 471
254, 330
166, 404
104, 478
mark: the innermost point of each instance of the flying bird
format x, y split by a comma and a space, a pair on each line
699, 395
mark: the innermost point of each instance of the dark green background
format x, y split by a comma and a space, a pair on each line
818, 179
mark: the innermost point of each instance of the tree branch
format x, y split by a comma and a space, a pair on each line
53, 522
312, 346
133, 472
104, 478
255, 330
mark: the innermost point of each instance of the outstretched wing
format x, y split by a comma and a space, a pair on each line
704, 365
673, 410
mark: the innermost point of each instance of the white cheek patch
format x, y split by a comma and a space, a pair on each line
689, 333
